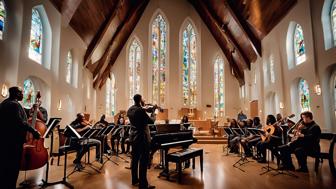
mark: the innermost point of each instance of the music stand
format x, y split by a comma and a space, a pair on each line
103, 134
243, 159
70, 131
53, 122
228, 132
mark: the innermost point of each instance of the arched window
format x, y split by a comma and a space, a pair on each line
134, 60
334, 91
304, 95
271, 68
159, 58
28, 94
36, 37
69, 67
333, 20
2, 18
189, 65
113, 96
299, 45
219, 86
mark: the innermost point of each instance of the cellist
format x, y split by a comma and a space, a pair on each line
14, 125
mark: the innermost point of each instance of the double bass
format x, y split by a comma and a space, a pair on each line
34, 154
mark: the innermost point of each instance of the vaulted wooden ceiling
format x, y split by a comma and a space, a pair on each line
238, 26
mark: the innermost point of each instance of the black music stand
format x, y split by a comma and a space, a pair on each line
74, 134
53, 122
243, 159
228, 132
103, 134
117, 154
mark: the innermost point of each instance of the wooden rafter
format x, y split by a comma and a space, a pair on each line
120, 39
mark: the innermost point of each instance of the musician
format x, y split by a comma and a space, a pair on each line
82, 126
13, 127
116, 133
274, 141
233, 124
102, 122
140, 141
307, 143
234, 143
241, 116
251, 140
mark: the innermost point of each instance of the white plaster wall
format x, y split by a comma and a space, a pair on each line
15, 66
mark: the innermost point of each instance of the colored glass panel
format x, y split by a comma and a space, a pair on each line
28, 94
36, 37
304, 95
69, 67
333, 20
2, 18
134, 70
219, 86
299, 45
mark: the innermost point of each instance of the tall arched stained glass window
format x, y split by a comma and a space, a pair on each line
69, 67
159, 58
134, 60
219, 86
2, 18
299, 45
36, 37
28, 94
333, 20
304, 95
189, 64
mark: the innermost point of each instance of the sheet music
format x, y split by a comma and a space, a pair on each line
74, 132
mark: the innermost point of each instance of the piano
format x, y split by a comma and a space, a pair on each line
170, 137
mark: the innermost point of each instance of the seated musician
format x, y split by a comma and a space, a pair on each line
234, 143
272, 141
251, 140
102, 123
42, 113
82, 126
233, 124
124, 139
115, 137
306, 142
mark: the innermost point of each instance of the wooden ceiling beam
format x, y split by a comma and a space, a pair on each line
120, 40
255, 41
67, 8
216, 31
120, 6
226, 31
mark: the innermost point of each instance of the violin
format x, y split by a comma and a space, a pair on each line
150, 108
34, 154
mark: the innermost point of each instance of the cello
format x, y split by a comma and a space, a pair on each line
34, 154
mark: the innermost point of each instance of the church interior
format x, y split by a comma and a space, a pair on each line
239, 93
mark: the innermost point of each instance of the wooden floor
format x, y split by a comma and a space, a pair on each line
218, 173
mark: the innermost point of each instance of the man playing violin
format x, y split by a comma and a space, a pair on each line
82, 126
307, 142
14, 125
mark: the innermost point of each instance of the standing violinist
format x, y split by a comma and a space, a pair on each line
307, 142
14, 125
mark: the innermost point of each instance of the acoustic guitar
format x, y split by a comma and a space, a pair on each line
270, 129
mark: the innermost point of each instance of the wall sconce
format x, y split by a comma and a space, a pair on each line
4, 91
281, 105
59, 106
317, 89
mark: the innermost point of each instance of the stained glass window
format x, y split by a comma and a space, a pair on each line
28, 94
219, 86
334, 90
159, 58
2, 18
189, 66
333, 20
134, 60
272, 74
299, 45
36, 37
69, 67
304, 95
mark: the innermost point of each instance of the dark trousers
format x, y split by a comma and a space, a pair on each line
123, 142
300, 152
84, 146
139, 163
10, 165
247, 144
263, 146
